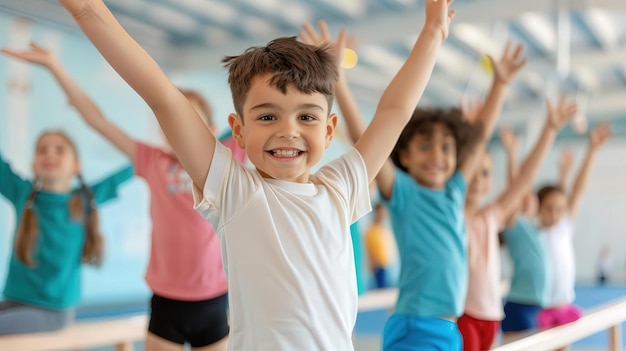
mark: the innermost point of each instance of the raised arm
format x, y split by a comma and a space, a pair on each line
597, 138
504, 70
556, 118
565, 167
399, 100
77, 97
511, 146
346, 101
179, 120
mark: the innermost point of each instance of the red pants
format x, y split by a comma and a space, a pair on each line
478, 335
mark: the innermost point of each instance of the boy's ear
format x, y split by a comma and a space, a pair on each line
330, 127
236, 125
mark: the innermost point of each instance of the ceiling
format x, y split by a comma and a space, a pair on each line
573, 46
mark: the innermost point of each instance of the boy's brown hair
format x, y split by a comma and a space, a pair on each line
289, 62
465, 134
205, 108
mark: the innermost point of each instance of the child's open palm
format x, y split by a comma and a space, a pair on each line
600, 135
439, 15
308, 35
509, 63
559, 115
37, 54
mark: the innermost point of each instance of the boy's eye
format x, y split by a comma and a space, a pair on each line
424, 147
307, 118
266, 118
447, 149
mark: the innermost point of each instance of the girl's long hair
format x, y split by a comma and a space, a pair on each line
28, 229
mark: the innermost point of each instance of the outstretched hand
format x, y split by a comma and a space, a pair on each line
509, 63
36, 54
439, 15
559, 115
308, 35
509, 140
599, 135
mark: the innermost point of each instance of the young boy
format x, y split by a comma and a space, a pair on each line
426, 204
284, 232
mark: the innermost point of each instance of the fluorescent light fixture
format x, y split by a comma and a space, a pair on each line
453, 62
603, 26
475, 38
540, 29
389, 62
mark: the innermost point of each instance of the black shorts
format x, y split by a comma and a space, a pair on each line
199, 323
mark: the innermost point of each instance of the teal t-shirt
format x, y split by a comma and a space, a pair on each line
357, 246
529, 284
54, 281
429, 226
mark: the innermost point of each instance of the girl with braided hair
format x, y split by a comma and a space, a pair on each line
57, 231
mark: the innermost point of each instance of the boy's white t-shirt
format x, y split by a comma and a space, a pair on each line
287, 252
559, 245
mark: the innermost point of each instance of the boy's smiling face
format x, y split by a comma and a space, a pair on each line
284, 135
431, 159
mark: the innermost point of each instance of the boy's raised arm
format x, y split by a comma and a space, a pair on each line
556, 118
77, 97
504, 70
347, 104
192, 142
597, 138
565, 166
401, 97
511, 147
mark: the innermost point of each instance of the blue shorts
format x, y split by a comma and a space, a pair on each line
519, 317
407, 333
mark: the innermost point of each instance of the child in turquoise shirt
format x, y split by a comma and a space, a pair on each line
425, 188
57, 231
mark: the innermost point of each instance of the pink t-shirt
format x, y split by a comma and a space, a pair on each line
185, 259
484, 298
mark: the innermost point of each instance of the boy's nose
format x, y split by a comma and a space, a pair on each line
288, 129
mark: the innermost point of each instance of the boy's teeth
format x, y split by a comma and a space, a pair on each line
285, 153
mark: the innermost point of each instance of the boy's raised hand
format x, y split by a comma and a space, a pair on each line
439, 15
308, 35
559, 115
509, 63
37, 54
599, 135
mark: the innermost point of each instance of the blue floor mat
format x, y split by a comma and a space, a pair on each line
372, 323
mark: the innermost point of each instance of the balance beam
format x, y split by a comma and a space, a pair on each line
118, 332
608, 316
